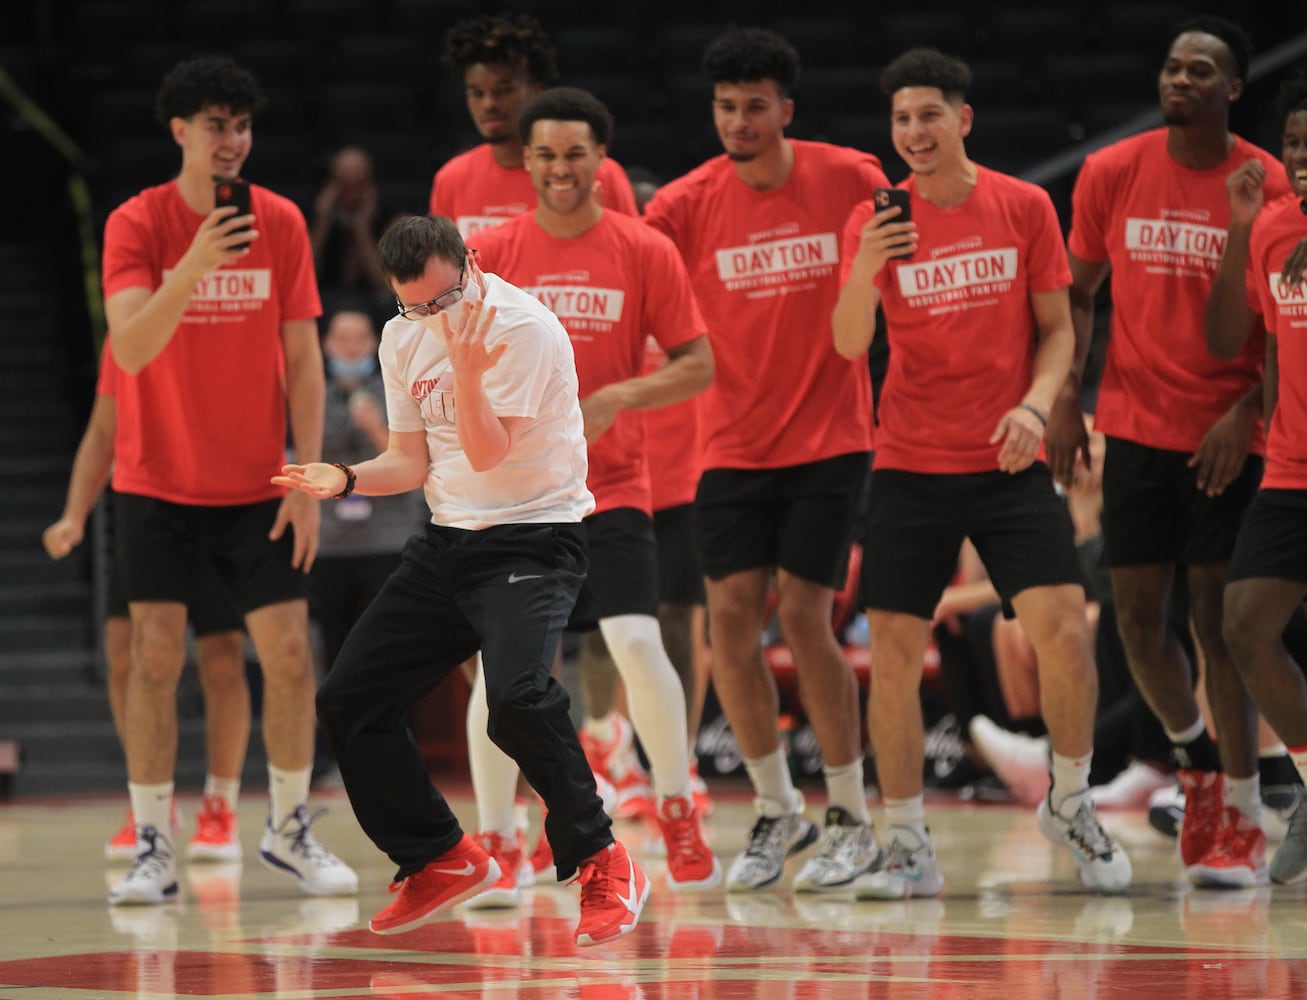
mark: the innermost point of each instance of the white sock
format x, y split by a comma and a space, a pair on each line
494, 773
908, 812
603, 728
1070, 777
152, 806
844, 788
771, 781
1188, 735
227, 789
287, 791
654, 696
1245, 794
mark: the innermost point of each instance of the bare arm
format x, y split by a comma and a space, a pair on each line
688, 373
306, 399
398, 469
1066, 438
1020, 430
141, 322
1227, 318
854, 318
90, 475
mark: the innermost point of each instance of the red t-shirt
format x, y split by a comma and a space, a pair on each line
205, 421
477, 193
1162, 226
671, 435
765, 266
612, 287
1276, 231
960, 319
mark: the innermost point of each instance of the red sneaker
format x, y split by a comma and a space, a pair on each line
1237, 859
690, 861
702, 800
542, 856
462, 871
217, 833
507, 854
123, 845
1204, 806
613, 892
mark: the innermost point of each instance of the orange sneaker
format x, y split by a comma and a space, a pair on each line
613, 892
508, 855
690, 861
1204, 808
462, 871
217, 832
1237, 859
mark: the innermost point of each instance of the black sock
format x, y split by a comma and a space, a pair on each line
1277, 770
1199, 754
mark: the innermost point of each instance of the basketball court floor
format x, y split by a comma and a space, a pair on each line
1013, 922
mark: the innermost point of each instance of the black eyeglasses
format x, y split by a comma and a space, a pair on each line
442, 301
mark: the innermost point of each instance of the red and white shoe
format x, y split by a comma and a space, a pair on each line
217, 832
690, 861
616, 762
1237, 859
613, 893
1204, 811
504, 893
458, 874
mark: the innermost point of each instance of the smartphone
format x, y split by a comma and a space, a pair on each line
888, 197
234, 193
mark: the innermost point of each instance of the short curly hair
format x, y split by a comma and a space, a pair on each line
1292, 97
746, 55
923, 67
206, 81
501, 41
568, 104
1232, 34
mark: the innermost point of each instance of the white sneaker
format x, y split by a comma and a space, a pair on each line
771, 841
846, 850
1101, 862
907, 869
292, 848
153, 875
1021, 761
1132, 788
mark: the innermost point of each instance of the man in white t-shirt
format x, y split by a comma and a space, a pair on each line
481, 398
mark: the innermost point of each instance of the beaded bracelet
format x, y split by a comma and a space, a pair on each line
349, 480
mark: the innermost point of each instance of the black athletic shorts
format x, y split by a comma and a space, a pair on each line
623, 576
1273, 539
916, 523
680, 578
210, 608
1154, 513
800, 518
162, 546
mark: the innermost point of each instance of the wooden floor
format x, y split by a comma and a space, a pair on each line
1013, 923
